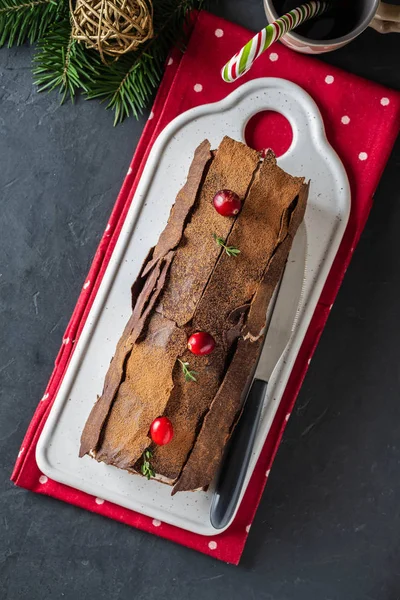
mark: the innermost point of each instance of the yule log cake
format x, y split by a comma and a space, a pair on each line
175, 386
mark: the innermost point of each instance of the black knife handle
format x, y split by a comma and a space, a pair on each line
237, 458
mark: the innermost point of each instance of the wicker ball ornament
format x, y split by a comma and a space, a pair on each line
112, 27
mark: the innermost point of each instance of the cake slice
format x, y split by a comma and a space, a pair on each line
192, 281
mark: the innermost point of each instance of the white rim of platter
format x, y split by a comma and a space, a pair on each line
165, 172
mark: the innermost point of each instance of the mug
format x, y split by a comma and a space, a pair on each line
383, 17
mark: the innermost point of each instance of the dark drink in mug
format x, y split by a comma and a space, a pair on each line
338, 26
338, 21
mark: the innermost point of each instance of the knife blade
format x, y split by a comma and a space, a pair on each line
234, 467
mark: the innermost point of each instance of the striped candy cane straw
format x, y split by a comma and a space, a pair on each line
243, 60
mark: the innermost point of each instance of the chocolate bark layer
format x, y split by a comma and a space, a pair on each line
185, 200
204, 459
143, 394
145, 292
233, 283
217, 425
232, 167
116, 371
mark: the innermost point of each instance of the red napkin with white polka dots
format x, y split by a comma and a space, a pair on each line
362, 120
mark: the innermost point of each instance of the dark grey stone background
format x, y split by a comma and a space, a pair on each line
328, 526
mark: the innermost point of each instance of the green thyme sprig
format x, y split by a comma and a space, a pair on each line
189, 375
230, 250
147, 469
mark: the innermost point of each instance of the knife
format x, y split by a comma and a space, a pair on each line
234, 467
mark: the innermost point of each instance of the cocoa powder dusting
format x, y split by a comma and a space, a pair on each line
216, 428
143, 394
145, 291
94, 424
197, 287
185, 200
233, 283
232, 167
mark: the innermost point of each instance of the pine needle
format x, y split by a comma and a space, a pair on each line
22, 21
61, 62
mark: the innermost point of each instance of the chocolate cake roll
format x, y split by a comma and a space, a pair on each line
211, 274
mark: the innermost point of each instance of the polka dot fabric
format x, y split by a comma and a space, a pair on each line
361, 120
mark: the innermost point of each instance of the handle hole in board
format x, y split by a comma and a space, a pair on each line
269, 129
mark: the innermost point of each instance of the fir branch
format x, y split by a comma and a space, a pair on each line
128, 84
21, 20
63, 63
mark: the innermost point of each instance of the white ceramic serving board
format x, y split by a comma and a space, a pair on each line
165, 172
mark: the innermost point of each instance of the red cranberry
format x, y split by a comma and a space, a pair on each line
201, 343
227, 203
161, 431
